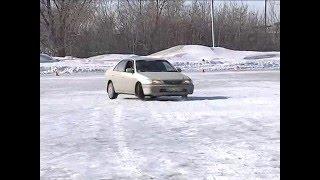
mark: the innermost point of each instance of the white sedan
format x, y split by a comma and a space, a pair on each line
147, 77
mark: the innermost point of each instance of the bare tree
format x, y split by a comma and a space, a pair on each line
85, 28
59, 18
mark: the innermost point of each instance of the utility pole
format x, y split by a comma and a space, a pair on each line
212, 17
265, 15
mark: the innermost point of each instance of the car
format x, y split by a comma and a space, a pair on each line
144, 76
44, 58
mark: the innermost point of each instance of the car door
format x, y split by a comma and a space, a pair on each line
128, 81
116, 76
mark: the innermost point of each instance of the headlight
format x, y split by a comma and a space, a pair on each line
157, 82
187, 81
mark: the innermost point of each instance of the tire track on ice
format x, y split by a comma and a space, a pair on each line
128, 160
173, 168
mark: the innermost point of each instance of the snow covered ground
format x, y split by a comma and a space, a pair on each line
191, 58
196, 58
69, 65
228, 129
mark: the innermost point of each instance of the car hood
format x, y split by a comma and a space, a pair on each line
164, 75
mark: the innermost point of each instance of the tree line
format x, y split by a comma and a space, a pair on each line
84, 28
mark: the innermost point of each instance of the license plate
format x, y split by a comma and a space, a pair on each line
174, 89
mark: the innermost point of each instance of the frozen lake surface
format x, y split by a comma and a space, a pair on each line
228, 129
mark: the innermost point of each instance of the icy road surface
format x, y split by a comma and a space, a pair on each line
228, 129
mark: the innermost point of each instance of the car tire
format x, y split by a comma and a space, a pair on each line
153, 97
111, 92
139, 91
184, 97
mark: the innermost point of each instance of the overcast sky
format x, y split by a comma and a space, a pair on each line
252, 4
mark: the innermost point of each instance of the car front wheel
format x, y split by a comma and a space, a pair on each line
111, 93
139, 91
184, 96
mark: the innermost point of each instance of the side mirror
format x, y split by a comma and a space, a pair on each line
129, 70
179, 70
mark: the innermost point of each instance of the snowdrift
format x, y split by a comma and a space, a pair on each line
68, 64
198, 58
190, 58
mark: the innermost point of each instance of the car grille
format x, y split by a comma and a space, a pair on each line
172, 82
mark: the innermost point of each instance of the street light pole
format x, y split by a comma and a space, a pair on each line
265, 16
212, 18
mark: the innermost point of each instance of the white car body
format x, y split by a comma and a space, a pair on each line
125, 81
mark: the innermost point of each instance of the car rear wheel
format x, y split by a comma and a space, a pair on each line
139, 91
111, 93
153, 97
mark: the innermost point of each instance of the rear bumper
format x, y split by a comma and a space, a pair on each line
167, 90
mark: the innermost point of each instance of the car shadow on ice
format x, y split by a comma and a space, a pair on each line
200, 98
190, 98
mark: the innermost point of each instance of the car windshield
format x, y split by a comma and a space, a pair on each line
154, 66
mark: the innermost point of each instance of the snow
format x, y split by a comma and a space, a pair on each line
69, 65
197, 58
228, 129
190, 58
111, 57
198, 52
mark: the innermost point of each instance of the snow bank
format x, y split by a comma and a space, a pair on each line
68, 64
198, 58
190, 58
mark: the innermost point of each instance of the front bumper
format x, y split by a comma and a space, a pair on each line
167, 90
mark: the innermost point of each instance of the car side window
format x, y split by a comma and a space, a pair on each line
120, 66
129, 65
